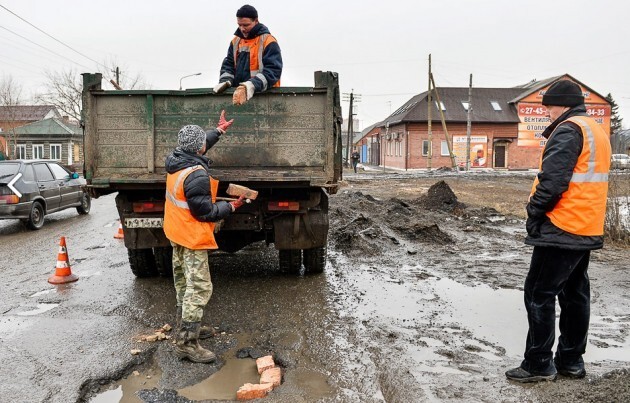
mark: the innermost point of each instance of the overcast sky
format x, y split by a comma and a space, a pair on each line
379, 48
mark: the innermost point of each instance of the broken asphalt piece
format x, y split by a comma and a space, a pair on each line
250, 352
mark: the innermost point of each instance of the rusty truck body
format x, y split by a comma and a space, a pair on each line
285, 143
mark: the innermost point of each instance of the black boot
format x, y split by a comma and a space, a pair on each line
204, 333
520, 374
187, 345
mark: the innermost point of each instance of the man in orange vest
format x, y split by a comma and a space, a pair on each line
253, 62
190, 212
566, 212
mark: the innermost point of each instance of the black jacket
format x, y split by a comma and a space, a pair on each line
564, 146
197, 184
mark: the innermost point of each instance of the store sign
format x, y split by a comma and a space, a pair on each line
478, 151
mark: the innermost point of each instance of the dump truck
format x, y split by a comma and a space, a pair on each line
285, 143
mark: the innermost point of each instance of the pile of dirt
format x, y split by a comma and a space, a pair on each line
440, 197
364, 226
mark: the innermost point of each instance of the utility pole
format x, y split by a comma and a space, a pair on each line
446, 136
430, 151
117, 72
352, 97
469, 124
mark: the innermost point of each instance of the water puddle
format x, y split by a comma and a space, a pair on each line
124, 391
223, 384
44, 292
41, 308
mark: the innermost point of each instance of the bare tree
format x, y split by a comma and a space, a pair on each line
63, 88
113, 70
10, 98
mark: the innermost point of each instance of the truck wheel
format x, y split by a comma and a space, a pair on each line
290, 261
142, 262
315, 260
86, 203
35, 219
164, 260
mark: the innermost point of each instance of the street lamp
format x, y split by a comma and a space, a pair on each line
190, 75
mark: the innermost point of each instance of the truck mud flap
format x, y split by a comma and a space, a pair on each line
301, 231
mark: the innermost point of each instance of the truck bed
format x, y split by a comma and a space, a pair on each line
286, 135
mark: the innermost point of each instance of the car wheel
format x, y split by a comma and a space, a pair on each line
35, 219
86, 204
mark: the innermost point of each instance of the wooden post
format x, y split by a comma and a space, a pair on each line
469, 124
430, 153
448, 139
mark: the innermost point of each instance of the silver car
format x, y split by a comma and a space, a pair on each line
32, 189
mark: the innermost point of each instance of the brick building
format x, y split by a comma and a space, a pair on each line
506, 127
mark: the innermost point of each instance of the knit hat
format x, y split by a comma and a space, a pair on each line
247, 11
191, 138
563, 93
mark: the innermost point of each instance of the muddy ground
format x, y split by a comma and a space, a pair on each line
421, 301
437, 265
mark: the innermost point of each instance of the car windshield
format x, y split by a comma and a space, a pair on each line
7, 170
623, 157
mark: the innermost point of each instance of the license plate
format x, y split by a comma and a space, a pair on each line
154, 222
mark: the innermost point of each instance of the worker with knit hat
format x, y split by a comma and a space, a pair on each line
254, 62
190, 212
565, 221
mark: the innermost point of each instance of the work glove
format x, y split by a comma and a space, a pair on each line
237, 203
243, 93
534, 222
219, 88
224, 124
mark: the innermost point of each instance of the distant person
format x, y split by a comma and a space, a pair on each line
355, 157
565, 221
253, 62
189, 216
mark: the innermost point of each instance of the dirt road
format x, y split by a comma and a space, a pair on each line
421, 301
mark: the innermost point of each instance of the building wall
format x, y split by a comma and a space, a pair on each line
407, 154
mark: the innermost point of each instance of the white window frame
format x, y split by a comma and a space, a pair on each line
58, 147
38, 147
444, 149
20, 151
426, 146
496, 106
466, 105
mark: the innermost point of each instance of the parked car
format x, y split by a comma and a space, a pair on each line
32, 189
620, 161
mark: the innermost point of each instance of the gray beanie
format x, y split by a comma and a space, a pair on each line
191, 138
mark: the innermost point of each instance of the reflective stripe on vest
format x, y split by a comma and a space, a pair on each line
180, 226
256, 65
581, 209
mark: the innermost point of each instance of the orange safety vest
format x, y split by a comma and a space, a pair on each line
180, 226
255, 47
582, 208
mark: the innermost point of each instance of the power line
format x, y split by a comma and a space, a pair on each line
43, 47
52, 37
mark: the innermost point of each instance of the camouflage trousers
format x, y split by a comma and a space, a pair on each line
193, 286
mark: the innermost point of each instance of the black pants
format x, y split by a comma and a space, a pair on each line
354, 165
562, 273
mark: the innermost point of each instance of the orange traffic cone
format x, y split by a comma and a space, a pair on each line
119, 234
63, 273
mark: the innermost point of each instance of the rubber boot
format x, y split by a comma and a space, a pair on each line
187, 345
205, 333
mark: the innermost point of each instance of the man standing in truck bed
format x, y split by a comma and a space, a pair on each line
253, 62
189, 215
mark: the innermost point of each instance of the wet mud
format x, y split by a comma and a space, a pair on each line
421, 301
